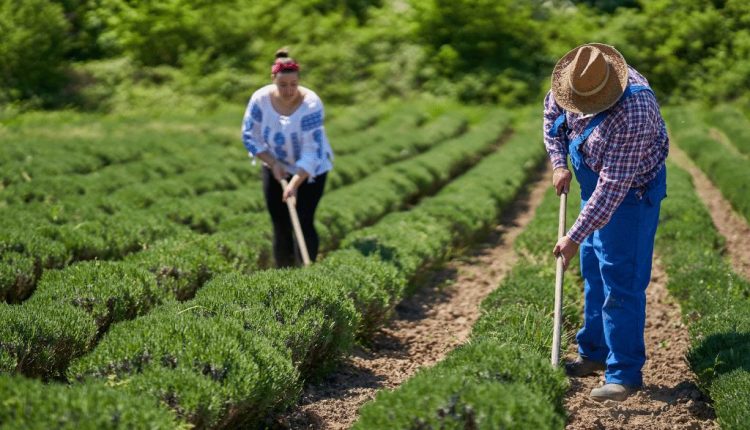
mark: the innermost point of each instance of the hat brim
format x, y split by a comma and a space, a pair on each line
595, 103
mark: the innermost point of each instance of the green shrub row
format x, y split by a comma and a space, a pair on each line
728, 171
29, 247
399, 119
344, 121
179, 156
97, 161
182, 264
397, 145
401, 183
58, 220
103, 153
715, 301
425, 233
207, 212
179, 265
96, 294
81, 407
502, 377
310, 316
732, 122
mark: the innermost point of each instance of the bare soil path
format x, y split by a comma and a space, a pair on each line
729, 223
425, 328
669, 398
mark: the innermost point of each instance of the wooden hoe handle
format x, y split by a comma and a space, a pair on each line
560, 270
291, 204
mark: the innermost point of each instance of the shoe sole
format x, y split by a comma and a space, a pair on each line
616, 398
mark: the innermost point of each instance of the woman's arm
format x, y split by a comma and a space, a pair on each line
312, 150
252, 138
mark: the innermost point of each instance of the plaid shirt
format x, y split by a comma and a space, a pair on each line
627, 150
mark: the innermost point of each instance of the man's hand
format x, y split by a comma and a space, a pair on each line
561, 180
566, 248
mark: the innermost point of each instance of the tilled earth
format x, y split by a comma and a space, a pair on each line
669, 398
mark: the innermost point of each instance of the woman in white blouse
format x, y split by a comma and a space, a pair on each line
283, 126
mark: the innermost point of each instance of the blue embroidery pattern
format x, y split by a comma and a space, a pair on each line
266, 134
247, 132
311, 121
280, 153
256, 112
296, 146
318, 138
278, 139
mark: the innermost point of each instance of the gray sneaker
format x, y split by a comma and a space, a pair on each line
615, 392
583, 367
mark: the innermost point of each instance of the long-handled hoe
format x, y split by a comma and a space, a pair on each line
560, 270
291, 203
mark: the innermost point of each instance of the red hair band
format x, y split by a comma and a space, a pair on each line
279, 67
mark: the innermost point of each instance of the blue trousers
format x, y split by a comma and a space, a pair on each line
616, 267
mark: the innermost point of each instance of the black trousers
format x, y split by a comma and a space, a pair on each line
285, 250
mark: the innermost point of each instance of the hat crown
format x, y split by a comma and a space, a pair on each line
589, 71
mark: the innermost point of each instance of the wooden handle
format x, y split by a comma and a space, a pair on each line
559, 272
290, 203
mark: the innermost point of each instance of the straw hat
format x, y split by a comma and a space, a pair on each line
590, 78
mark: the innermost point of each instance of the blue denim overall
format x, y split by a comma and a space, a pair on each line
616, 268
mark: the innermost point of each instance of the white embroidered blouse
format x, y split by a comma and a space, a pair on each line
298, 141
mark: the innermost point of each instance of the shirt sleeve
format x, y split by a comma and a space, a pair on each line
627, 143
251, 128
557, 149
313, 136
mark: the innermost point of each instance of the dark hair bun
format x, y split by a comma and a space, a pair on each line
282, 53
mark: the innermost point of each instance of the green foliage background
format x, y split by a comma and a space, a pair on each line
119, 54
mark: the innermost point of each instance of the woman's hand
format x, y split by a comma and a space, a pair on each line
561, 178
291, 189
290, 192
566, 248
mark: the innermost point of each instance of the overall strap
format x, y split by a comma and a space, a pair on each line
634, 89
593, 123
601, 116
554, 131
560, 122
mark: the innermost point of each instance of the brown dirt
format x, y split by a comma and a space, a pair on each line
427, 326
669, 398
729, 223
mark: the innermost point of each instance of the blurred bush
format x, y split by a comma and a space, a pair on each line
113, 54
32, 51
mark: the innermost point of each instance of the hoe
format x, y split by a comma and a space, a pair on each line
560, 270
292, 205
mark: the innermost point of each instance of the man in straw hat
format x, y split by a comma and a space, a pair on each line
603, 114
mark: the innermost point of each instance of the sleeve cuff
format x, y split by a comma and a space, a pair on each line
558, 161
258, 151
576, 234
307, 165
254, 149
